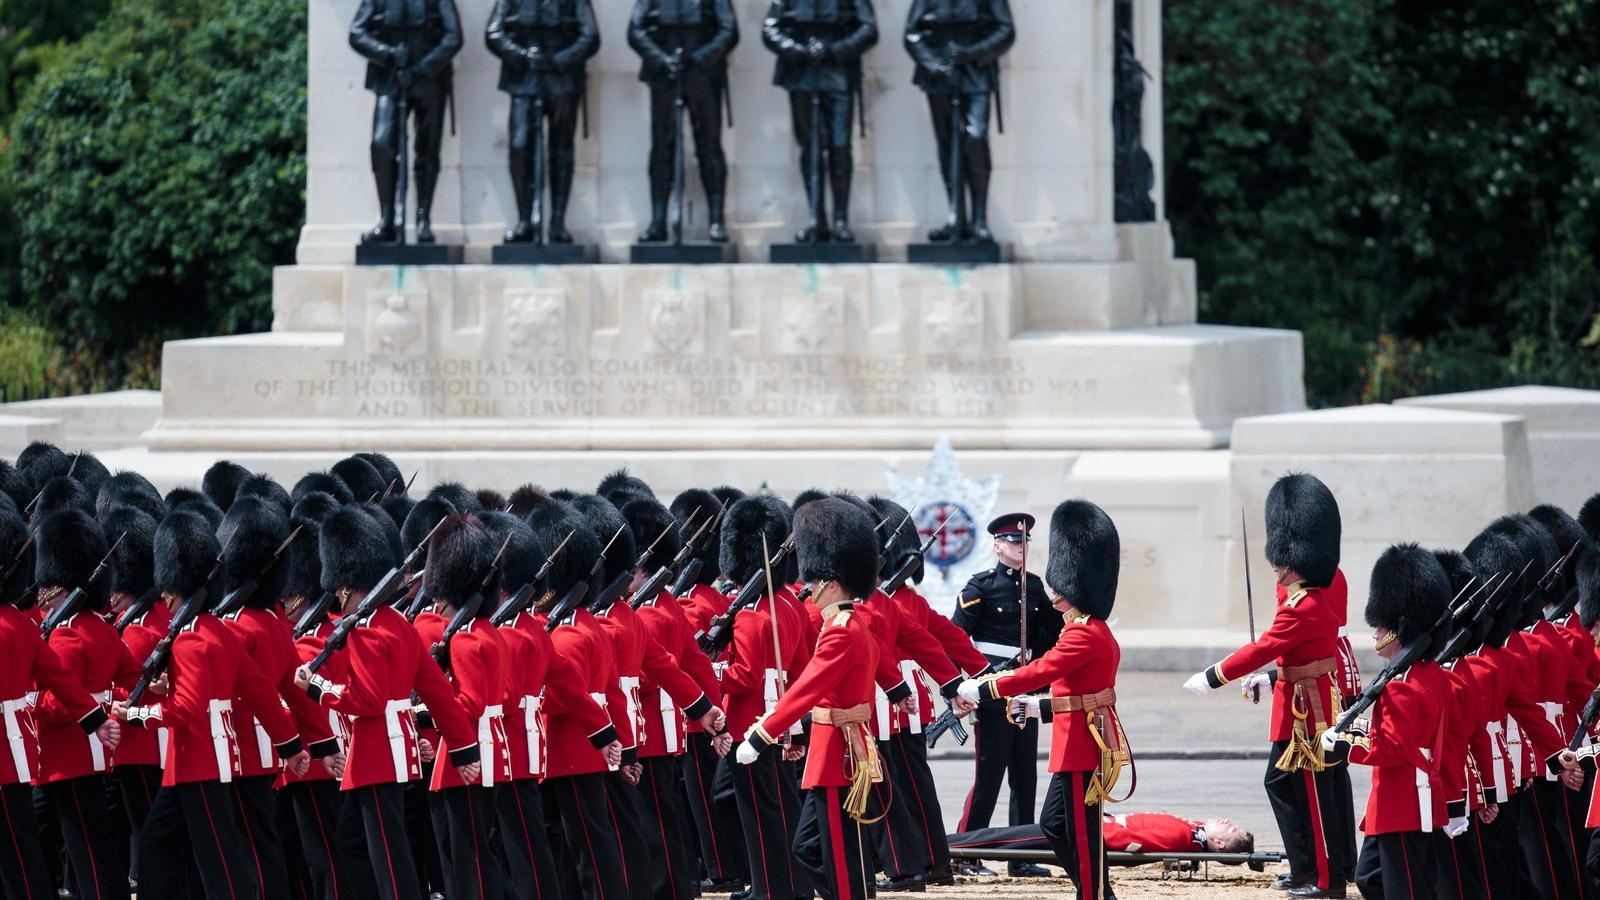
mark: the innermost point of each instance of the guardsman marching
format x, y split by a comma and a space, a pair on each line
990, 609
1087, 746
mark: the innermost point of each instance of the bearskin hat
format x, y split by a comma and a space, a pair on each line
326, 482
1589, 517
897, 539
398, 506
833, 541
607, 522
620, 487
552, 521
1303, 528
89, 471
524, 499
191, 499
652, 525
747, 523
354, 550
1409, 592
361, 477
61, 493
1085, 557
1534, 544
698, 504
806, 496
427, 513
459, 557
41, 461
133, 562
1567, 534
1587, 570
16, 556
394, 483
68, 544
131, 489
221, 482
490, 499
391, 532
251, 531
457, 495
303, 572
523, 556
15, 486
265, 488
186, 550
1491, 553
727, 494
1457, 568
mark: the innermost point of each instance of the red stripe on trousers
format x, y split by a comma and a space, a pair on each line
922, 809
22, 863
788, 833
1319, 840
216, 839
705, 806
622, 852
1544, 835
383, 835
966, 808
1080, 818
250, 838
88, 842
1411, 889
761, 839
836, 838
527, 839
661, 829
477, 852
327, 848
583, 823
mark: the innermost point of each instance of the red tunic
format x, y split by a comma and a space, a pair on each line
1404, 747
750, 681
587, 661
882, 618
838, 677
640, 657
1151, 833
269, 641
316, 719
702, 604
529, 649
27, 663
93, 652
144, 746
480, 669
1585, 666
1533, 733
1349, 673
664, 723
919, 651
1083, 661
1304, 631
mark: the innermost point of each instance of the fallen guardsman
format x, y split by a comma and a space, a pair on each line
1131, 840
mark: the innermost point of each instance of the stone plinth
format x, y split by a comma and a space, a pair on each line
1563, 426
17, 432
708, 357
1433, 477
95, 421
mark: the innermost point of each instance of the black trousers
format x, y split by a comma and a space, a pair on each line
1306, 805
829, 846
661, 807
914, 785
769, 813
1005, 752
22, 871
832, 113
717, 834
1462, 872
895, 836
973, 132
196, 821
560, 152
427, 133
591, 836
138, 785
258, 818
704, 104
524, 839
1073, 829
89, 835
1591, 864
335, 874
419, 832
634, 848
1396, 866
1551, 870
463, 824
1502, 855
372, 827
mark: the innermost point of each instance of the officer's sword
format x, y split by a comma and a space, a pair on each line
1022, 645
956, 222
402, 157
677, 155
536, 216
772, 613
1249, 594
816, 154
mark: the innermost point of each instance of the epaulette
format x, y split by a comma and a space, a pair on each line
1295, 596
1079, 618
841, 618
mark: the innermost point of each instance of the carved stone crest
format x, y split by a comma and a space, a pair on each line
675, 322
952, 322
395, 326
536, 321
813, 323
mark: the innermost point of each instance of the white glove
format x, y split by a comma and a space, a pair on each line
1455, 827
1254, 685
1198, 684
968, 690
746, 754
1330, 739
1025, 708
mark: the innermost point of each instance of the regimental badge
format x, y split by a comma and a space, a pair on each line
943, 495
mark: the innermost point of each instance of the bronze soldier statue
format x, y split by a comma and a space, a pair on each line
957, 45
684, 46
542, 46
819, 44
408, 45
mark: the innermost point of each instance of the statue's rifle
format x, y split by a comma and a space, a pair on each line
402, 154
75, 600
815, 175
678, 112
536, 201
382, 594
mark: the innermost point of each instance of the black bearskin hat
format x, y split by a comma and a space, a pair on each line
41, 461
459, 557
1409, 592
88, 470
263, 487
1085, 557
131, 489
456, 494
652, 524
1587, 569
190, 499
15, 486
740, 544
1567, 533
806, 496
361, 477
833, 541
61, 493
1534, 543
68, 544
133, 564
251, 530
221, 482
391, 531
1458, 569
1492, 553
16, 556
523, 556
399, 507
607, 522
620, 487
1303, 528
354, 550
303, 574
427, 513
524, 499
1589, 517
394, 483
490, 499
897, 539
727, 494
326, 482
186, 550
699, 504
552, 521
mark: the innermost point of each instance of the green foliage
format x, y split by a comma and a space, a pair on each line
28, 356
1412, 185
159, 167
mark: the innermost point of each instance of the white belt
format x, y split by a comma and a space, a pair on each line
397, 737
880, 705
15, 737
222, 738
599, 698
530, 704
1425, 794
1514, 739
908, 671
630, 694
669, 723
988, 648
488, 760
1497, 762
161, 745
97, 749
264, 746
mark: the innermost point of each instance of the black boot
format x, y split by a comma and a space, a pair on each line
978, 169
427, 180
382, 233
656, 231
841, 166
520, 233
718, 231
558, 215
424, 227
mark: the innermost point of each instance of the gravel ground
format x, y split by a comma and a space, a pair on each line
1128, 884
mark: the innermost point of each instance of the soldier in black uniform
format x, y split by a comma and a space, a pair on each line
957, 45
685, 41
990, 609
408, 45
819, 44
542, 45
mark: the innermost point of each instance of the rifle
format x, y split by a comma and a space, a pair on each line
947, 721
536, 204
419, 602
518, 601
1564, 608
903, 574
73, 604
656, 582
313, 616
678, 111
141, 605
573, 598
402, 101
690, 574
1467, 616
956, 221
467, 611
719, 632
16, 563
619, 585
381, 595
236, 598
161, 656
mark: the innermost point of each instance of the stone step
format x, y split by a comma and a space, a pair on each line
95, 421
